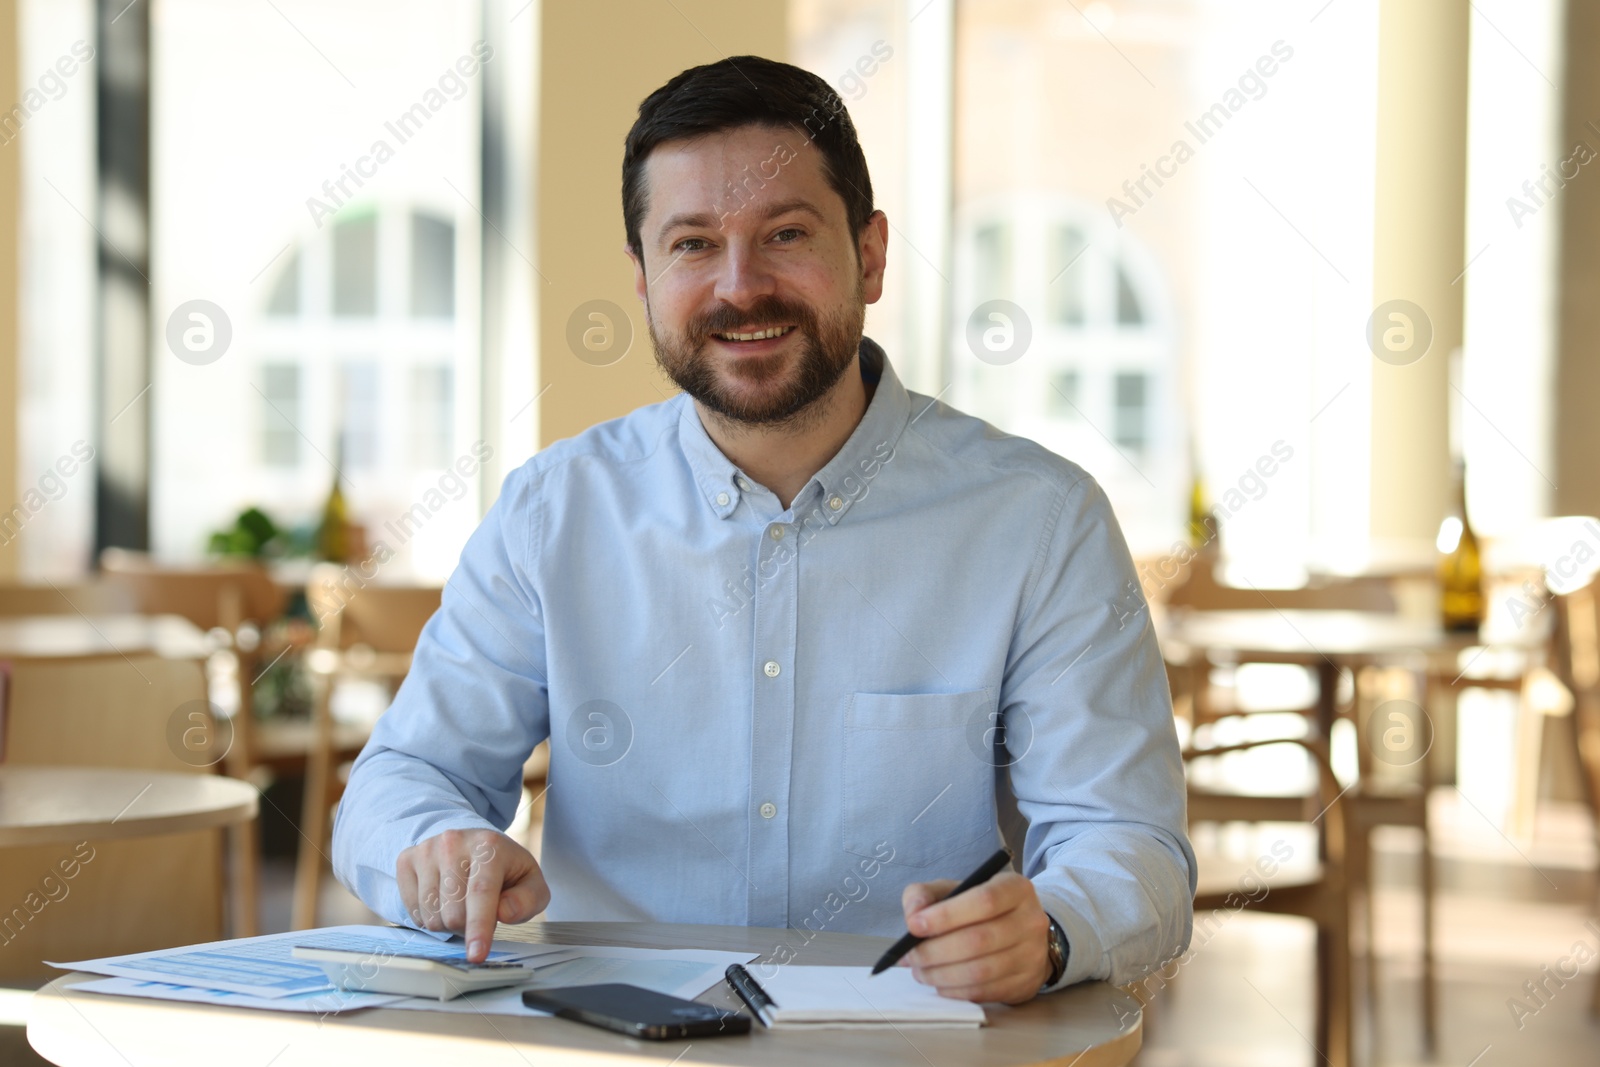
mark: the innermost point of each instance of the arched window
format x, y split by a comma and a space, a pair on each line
359, 335
1098, 381
360, 360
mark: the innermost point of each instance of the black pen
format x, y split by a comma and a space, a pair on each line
751, 993
991, 867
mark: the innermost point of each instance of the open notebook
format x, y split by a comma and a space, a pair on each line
843, 998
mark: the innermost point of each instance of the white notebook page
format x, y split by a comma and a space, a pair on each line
813, 996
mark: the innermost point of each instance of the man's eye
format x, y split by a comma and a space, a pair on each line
684, 245
794, 232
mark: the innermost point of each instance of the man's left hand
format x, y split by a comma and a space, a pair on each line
988, 944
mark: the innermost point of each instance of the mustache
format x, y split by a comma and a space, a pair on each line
765, 311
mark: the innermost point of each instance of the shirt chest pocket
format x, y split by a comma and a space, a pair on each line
917, 779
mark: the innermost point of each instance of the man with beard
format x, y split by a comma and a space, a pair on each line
806, 645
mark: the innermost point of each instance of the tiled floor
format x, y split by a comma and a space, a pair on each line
1504, 911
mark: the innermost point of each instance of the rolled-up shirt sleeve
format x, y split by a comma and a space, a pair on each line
1095, 768
449, 751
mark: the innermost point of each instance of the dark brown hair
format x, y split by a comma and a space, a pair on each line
746, 91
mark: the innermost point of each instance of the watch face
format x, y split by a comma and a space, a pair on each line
1057, 947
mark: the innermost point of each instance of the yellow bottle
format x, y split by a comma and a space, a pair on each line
333, 536
1202, 522
1460, 565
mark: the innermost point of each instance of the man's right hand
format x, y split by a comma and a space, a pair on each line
465, 880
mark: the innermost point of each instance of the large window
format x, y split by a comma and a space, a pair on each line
55, 375
1177, 198
316, 179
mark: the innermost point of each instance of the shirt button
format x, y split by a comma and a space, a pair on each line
776, 531
722, 500
771, 668
836, 503
742, 484
768, 810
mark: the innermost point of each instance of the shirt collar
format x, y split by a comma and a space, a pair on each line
845, 477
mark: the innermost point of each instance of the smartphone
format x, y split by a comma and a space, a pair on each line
637, 1012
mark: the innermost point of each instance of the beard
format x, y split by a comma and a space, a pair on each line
781, 388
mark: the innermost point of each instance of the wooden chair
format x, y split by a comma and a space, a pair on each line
240, 599
1311, 887
1577, 659
1207, 701
133, 895
366, 631
1371, 801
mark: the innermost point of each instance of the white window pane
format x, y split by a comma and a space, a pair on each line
433, 266
432, 407
359, 414
280, 415
1067, 275
285, 298
355, 266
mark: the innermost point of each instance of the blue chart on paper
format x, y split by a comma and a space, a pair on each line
267, 966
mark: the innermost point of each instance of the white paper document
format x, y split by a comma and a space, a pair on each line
262, 967
321, 1002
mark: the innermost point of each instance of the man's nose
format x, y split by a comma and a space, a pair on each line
745, 276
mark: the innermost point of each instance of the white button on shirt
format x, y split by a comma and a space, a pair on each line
768, 810
611, 603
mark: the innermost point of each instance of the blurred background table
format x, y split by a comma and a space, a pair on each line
65, 636
57, 805
1327, 641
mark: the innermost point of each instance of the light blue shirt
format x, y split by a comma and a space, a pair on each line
780, 718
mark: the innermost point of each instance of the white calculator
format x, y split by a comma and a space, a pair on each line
409, 975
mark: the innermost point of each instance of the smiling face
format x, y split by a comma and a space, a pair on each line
755, 290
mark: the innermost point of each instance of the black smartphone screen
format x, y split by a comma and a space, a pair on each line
637, 1012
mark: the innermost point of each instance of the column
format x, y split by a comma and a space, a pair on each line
597, 62
1418, 256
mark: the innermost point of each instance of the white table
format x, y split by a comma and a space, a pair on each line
1091, 1025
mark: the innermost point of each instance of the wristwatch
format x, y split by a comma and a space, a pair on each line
1058, 949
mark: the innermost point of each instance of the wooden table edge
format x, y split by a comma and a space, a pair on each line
241, 810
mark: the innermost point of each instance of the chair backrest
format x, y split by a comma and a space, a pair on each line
1202, 591
1329, 797
98, 711
222, 594
384, 618
131, 895
67, 598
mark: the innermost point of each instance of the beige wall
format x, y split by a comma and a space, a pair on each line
1577, 373
598, 61
10, 235
1418, 253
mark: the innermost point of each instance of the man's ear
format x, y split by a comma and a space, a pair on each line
873, 247
639, 281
